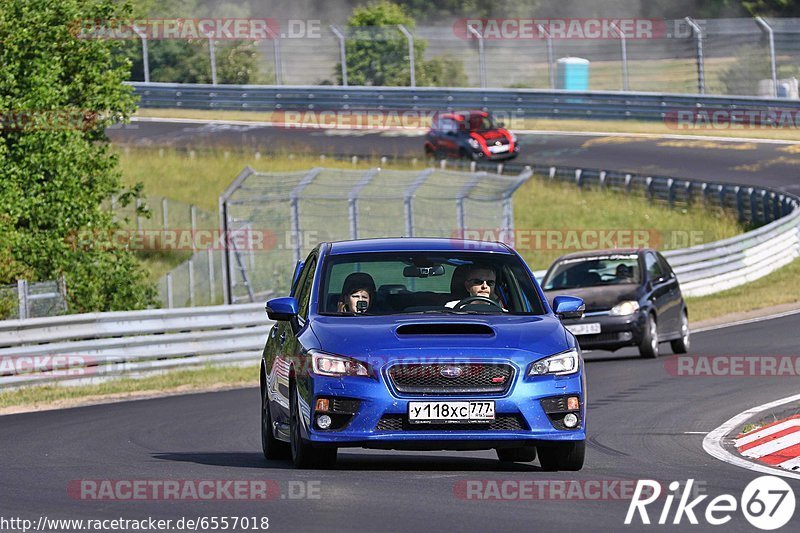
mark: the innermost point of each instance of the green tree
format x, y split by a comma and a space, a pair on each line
58, 93
377, 52
773, 8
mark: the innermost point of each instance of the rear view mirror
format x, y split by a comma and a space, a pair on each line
423, 271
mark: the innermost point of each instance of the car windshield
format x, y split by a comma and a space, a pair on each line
390, 283
593, 271
480, 123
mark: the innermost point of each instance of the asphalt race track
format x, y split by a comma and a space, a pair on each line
644, 422
746, 163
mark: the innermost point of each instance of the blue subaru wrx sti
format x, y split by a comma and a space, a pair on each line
421, 344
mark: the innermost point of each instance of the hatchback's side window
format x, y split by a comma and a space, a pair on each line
665, 266
304, 288
653, 267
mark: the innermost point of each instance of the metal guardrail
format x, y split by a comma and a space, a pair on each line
532, 103
94, 346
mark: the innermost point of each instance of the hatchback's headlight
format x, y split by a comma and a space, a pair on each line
474, 143
625, 308
558, 365
336, 366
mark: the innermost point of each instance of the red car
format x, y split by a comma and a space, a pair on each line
471, 135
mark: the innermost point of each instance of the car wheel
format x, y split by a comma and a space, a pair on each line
523, 454
303, 454
562, 456
273, 448
682, 345
648, 348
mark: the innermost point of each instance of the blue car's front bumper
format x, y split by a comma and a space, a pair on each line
378, 402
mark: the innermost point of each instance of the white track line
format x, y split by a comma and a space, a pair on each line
747, 321
712, 443
761, 433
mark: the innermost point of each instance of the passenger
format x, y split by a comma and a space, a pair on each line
624, 274
358, 293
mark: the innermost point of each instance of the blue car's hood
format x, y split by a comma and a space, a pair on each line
366, 336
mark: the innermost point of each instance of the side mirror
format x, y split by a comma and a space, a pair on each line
568, 307
282, 309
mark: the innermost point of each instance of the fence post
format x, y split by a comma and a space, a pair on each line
213, 57
138, 217
191, 281
276, 50
410, 39
763, 23
62, 289
550, 69
481, 55
352, 200
294, 198
342, 53
212, 292
169, 290
701, 82
461, 215
624, 55
165, 213
145, 56
408, 198
193, 225
22, 297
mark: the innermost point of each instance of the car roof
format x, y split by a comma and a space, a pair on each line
609, 251
416, 244
460, 115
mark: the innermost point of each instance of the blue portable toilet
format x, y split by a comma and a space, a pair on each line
572, 74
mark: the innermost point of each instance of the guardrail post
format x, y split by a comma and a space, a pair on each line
22, 297
342, 53
624, 45
701, 82
776, 206
763, 23
552, 172
739, 203
765, 207
603, 179
410, 39
145, 56
481, 55
628, 179
754, 216
550, 65
579, 177
649, 187
671, 192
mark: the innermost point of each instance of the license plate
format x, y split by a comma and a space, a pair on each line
450, 412
497, 149
584, 329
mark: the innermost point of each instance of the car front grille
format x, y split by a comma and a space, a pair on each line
432, 379
503, 422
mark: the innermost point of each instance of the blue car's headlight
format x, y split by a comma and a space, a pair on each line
326, 364
560, 364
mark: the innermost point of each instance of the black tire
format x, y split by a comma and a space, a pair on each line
648, 348
272, 448
523, 454
682, 345
304, 455
562, 456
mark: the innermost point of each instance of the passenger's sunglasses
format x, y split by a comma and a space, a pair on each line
476, 281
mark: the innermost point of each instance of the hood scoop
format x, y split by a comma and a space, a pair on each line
444, 328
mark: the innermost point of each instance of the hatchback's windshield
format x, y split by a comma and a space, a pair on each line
435, 282
593, 271
480, 123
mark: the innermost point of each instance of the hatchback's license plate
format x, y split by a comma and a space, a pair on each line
584, 329
450, 412
498, 148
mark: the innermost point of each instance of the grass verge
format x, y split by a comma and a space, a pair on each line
208, 377
777, 288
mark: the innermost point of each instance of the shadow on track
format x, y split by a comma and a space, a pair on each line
231, 459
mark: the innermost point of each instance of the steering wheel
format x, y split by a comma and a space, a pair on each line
470, 299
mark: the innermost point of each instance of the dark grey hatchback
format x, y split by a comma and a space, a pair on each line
632, 298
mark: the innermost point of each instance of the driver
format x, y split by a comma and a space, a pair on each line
480, 281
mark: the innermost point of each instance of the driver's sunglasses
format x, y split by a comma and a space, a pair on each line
476, 281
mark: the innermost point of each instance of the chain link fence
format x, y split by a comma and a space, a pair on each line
272, 220
715, 56
32, 300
